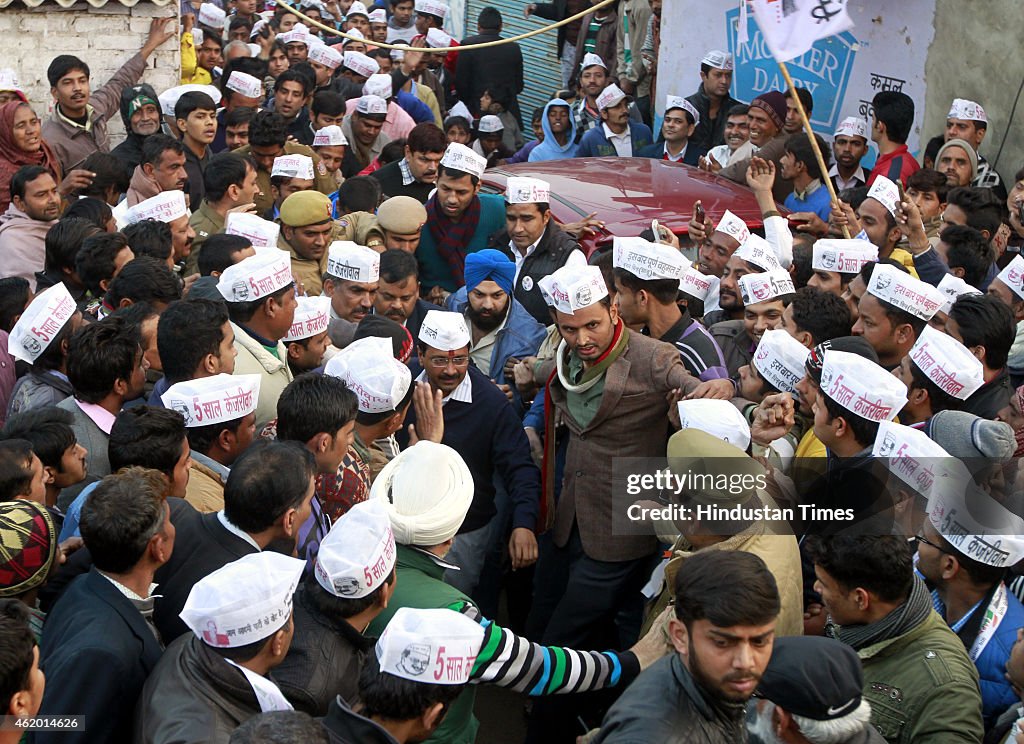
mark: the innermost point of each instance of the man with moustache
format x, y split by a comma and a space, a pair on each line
351, 280
766, 119
398, 293
416, 173
722, 647
140, 112
716, 244
849, 146
712, 100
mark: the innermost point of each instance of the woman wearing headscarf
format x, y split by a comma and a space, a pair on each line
21, 143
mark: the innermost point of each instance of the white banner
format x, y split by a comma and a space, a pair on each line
791, 27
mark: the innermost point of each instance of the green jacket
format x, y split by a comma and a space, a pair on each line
923, 687
420, 585
434, 269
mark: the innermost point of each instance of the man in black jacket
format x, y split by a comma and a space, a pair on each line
712, 100
266, 498
499, 67
351, 582
99, 643
140, 113
415, 174
534, 242
700, 693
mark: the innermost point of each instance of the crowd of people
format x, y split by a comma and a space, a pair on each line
305, 436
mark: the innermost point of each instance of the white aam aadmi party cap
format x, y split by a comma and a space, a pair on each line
695, 284
947, 363
489, 124
166, 206
329, 136
779, 359
861, 386
438, 39
719, 418
298, 35
646, 260
961, 108
357, 8
953, 287
758, 251
245, 84
258, 231
293, 166
244, 601
843, 256
975, 524
378, 15
379, 85
212, 16
369, 368
353, 262
432, 7
1013, 276
213, 400
352, 35
437, 647
444, 330
573, 288
522, 190
678, 102
461, 158
734, 227
312, 316
169, 98
256, 276
358, 554
327, 56
609, 97
592, 60
361, 64
765, 286
913, 456
718, 59
460, 109
852, 126
40, 323
904, 292
886, 193
372, 105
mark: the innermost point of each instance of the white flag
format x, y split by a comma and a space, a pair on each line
791, 27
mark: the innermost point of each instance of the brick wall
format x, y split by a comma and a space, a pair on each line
104, 37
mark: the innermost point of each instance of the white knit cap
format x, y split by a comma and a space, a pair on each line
427, 491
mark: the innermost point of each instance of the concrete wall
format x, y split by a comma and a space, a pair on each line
104, 37
976, 55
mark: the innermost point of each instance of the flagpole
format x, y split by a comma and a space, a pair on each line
814, 142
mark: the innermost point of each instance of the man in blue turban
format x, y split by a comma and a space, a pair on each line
501, 330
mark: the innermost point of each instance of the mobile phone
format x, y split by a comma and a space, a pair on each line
899, 189
655, 231
698, 210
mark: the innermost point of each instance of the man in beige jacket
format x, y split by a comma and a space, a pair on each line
260, 296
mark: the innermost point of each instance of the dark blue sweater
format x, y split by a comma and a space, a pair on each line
489, 436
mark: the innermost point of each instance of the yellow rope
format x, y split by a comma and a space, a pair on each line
498, 42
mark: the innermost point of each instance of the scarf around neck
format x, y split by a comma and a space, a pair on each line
620, 339
903, 619
452, 238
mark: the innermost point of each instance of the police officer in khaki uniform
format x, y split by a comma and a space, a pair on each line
306, 231
401, 218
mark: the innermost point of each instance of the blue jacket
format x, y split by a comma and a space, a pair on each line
521, 336
594, 144
996, 693
656, 151
419, 111
549, 149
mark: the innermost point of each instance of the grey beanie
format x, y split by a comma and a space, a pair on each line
966, 436
972, 155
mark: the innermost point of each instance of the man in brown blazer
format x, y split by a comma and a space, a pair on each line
610, 390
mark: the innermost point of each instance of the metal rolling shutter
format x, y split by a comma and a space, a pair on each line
542, 70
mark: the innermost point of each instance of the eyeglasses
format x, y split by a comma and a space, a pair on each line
926, 541
442, 362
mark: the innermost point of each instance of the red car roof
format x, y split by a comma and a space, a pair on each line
627, 193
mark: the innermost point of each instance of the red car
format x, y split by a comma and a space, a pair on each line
627, 193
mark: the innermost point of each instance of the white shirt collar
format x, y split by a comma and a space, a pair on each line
611, 135
236, 531
676, 159
268, 694
126, 591
463, 393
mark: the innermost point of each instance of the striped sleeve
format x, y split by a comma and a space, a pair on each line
507, 660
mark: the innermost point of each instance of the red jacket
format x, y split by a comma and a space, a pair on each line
897, 165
